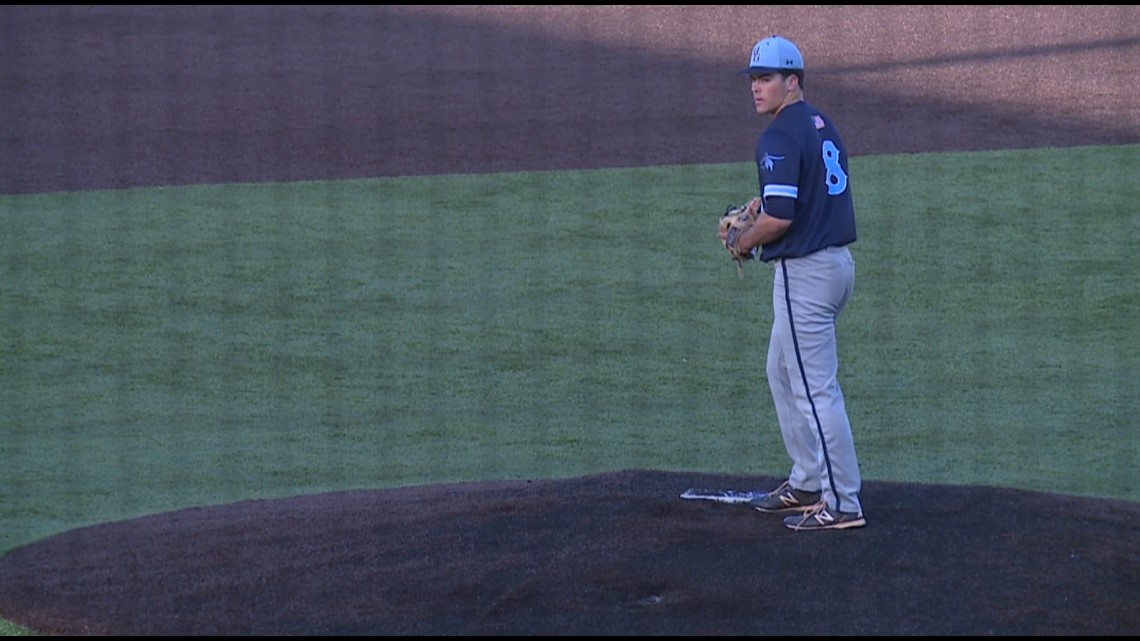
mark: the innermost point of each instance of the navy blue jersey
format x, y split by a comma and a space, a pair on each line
801, 157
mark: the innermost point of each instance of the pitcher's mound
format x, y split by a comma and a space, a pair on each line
608, 554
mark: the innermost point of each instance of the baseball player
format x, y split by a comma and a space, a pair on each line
804, 229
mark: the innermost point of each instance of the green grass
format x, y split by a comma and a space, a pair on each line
8, 629
163, 348
1008, 319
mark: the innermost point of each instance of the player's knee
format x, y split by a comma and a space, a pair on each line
774, 370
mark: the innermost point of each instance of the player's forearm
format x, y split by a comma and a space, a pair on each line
767, 229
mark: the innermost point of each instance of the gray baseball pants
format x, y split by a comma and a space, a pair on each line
808, 295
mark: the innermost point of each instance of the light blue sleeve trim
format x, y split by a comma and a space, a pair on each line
782, 191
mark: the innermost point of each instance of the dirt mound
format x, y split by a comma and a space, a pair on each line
615, 553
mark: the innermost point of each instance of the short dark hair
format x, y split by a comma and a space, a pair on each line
794, 72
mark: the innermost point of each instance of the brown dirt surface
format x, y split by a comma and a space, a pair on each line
98, 97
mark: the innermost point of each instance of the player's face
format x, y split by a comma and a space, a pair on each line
769, 92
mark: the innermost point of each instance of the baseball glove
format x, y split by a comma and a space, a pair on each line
736, 220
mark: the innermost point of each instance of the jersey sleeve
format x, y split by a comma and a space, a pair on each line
778, 165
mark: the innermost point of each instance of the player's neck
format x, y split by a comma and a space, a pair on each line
790, 99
